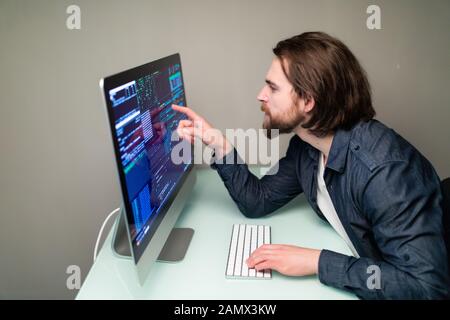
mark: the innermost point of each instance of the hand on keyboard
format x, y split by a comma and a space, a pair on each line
245, 238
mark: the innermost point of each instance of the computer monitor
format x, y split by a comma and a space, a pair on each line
154, 188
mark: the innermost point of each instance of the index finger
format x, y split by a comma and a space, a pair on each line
185, 110
269, 247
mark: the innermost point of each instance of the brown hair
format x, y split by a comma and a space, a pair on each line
323, 68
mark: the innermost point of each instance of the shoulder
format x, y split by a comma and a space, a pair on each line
376, 145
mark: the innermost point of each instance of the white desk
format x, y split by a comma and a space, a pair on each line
201, 275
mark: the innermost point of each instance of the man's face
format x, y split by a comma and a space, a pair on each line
277, 101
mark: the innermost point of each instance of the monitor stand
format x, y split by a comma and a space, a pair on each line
174, 249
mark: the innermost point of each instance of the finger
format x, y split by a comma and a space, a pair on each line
185, 123
264, 266
272, 247
187, 134
193, 132
187, 111
181, 125
268, 248
252, 261
182, 133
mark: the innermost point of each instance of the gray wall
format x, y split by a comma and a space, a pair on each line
57, 172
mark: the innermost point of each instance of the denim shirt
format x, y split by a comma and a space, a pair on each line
387, 196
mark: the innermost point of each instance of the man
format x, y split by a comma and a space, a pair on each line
374, 188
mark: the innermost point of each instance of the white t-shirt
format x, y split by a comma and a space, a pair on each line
326, 206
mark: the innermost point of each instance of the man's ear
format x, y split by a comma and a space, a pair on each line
309, 103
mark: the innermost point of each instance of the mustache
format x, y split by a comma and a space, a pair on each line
264, 108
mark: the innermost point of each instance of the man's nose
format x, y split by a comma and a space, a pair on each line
262, 96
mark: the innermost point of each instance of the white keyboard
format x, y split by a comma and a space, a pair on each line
245, 238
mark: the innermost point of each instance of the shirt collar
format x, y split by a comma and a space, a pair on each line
337, 158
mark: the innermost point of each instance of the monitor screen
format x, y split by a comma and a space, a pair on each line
142, 122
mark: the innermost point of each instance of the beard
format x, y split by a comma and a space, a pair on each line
284, 123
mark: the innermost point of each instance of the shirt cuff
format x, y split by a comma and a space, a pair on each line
332, 268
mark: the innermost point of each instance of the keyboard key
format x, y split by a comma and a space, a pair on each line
232, 250
267, 272
239, 251
254, 241
247, 238
260, 273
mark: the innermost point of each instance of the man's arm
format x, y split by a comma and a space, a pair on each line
406, 220
254, 197
258, 197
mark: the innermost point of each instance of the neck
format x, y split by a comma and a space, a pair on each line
323, 144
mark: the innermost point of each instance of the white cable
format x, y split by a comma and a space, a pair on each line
101, 231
